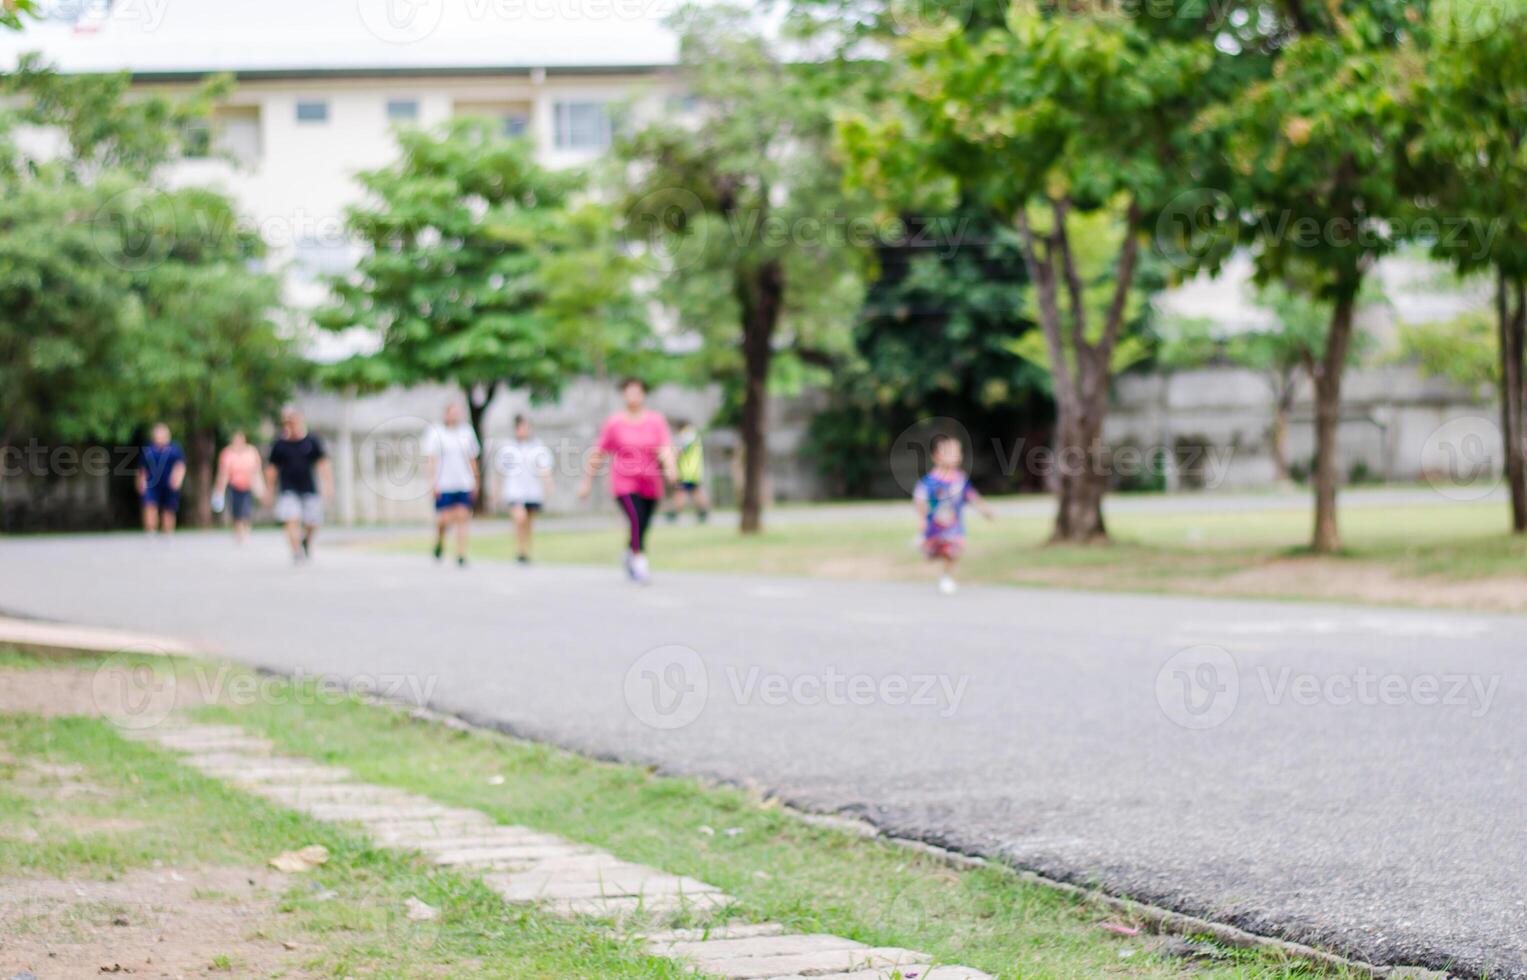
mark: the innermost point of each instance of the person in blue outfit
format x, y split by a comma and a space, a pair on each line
941, 497
161, 472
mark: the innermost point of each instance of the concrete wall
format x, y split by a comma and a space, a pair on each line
1396, 423
381, 476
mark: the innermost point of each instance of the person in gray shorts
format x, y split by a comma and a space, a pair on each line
297, 467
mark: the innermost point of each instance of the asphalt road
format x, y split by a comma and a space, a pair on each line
1355, 778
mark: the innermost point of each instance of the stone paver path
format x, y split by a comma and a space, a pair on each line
528, 866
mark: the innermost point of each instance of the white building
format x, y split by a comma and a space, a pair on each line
321, 87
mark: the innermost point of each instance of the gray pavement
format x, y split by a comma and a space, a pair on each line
1355, 778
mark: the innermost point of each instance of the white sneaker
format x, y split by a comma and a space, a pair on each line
947, 586
639, 570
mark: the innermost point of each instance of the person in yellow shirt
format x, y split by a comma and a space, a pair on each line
691, 465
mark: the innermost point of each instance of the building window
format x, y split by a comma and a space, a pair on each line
515, 124
582, 126
236, 134
402, 110
313, 111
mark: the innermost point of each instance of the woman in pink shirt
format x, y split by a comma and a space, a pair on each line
238, 470
640, 450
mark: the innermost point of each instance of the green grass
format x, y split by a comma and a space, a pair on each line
1153, 552
777, 865
183, 819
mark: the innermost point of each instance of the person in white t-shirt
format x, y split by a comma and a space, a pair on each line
452, 450
524, 468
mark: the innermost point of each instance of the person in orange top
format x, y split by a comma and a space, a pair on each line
238, 474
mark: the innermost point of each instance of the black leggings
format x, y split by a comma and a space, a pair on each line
638, 511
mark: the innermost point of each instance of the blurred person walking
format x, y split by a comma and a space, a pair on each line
691, 468
637, 442
238, 474
452, 450
524, 467
161, 474
296, 468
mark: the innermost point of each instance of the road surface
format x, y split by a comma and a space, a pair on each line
1355, 778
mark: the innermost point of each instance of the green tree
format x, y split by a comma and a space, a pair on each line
480, 269
66, 302
1313, 166
213, 354
1061, 120
124, 303
1464, 350
108, 127
742, 206
1469, 157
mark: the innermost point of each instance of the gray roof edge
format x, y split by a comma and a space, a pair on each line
477, 71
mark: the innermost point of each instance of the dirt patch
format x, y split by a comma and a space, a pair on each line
1310, 578
160, 923
139, 692
1369, 582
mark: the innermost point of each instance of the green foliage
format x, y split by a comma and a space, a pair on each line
107, 125
936, 328
1095, 237
1463, 350
748, 184
1310, 154
1467, 155
480, 269
213, 357
121, 303
11, 12
932, 341
66, 302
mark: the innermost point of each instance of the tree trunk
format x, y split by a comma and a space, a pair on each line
1328, 378
478, 399
759, 293
1081, 398
1080, 483
200, 472
1512, 314
1284, 386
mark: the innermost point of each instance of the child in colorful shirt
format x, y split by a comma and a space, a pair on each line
941, 496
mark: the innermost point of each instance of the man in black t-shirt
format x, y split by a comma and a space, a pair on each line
296, 467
